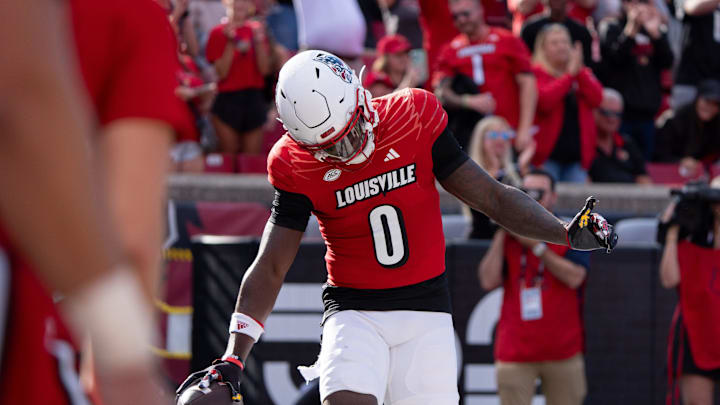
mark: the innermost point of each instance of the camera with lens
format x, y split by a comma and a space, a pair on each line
692, 211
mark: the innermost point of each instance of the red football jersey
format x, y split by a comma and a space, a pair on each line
34, 340
492, 63
244, 72
128, 58
381, 222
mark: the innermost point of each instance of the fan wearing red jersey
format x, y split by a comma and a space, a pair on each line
53, 233
367, 169
498, 64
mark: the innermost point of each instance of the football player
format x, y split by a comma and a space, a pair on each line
367, 169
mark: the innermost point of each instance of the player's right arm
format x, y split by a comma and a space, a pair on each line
262, 281
260, 287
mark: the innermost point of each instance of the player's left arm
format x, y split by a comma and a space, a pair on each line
510, 207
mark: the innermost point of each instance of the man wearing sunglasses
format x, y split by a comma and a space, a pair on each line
497, 62
618, 158
540, 332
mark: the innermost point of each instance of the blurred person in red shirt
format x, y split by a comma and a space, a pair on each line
497, 63
540, 331
689, 264
56, 234
239, 50
568, 93
127, 55
392, 70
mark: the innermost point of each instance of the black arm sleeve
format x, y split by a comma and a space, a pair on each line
447, 155
290, 210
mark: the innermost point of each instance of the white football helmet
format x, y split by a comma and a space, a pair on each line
325, 109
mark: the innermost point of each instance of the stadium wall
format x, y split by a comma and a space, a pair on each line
620, 199
627, 315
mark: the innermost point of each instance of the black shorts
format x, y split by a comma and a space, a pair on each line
243, 110
688, 363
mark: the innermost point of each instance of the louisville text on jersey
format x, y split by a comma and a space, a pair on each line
382, 183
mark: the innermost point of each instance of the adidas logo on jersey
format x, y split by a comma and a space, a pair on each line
391, 155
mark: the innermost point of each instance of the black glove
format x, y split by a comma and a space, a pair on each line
220, 371
589, 231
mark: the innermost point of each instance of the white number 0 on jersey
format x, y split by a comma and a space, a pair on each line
389, 238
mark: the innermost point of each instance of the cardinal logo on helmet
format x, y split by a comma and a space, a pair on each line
336, 65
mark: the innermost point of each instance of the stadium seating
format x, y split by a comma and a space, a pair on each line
669, 173
456, 226
219, 163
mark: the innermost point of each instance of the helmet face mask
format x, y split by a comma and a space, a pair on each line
325, 109
349, 144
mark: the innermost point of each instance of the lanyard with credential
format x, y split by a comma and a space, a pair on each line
539, 277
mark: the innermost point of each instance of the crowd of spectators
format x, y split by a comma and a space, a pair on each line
541, 65
537, 91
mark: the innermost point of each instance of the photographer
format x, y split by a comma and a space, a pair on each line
690, 259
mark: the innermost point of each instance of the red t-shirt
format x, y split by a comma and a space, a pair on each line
390, 201
34, 338
127, 54
559, 333
700, 302
492, 63
244, 73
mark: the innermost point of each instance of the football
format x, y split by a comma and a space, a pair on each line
216, 394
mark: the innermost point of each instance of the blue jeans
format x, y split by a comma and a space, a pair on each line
643, 133
566, 172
